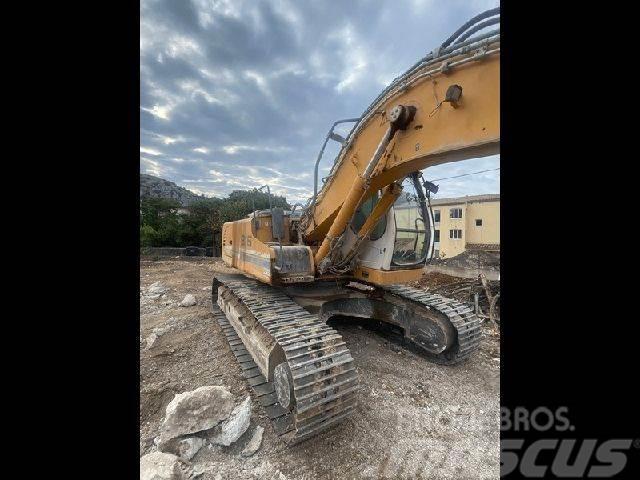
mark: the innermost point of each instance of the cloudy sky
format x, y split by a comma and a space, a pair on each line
236, 94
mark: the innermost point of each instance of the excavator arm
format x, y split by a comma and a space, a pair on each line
444, 109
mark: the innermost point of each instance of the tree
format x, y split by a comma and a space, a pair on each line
160, 223
162, 226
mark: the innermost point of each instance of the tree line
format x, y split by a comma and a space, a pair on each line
162, 225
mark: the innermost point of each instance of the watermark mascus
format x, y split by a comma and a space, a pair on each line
563, 457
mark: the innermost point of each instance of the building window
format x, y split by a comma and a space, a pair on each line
455, 213
478, 222
436, 216
436, 235
456, 234
437, 254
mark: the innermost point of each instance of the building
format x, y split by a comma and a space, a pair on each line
465, 223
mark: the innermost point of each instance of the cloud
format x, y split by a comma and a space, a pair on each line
149, 151
487, 182
239, 93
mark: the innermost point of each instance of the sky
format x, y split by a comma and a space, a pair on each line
238, 94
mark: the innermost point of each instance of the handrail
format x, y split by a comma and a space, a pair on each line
330, 135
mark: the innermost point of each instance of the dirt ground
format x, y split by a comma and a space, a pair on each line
471, 259
415, 419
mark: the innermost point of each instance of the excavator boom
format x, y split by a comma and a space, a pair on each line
454, 96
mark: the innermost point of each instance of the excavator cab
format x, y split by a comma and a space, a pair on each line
412, 241
402, 238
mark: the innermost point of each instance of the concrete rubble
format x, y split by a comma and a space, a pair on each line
157, 332
150, 341
184, 447
165, 466
233, 428
156, 289
188, 301
193, 419
196, 411
254, 444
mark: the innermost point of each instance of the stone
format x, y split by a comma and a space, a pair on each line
254, 444
156, 187
157, 288
159, 466
233, 428
150, 340
195, 411
184, 447
188, 301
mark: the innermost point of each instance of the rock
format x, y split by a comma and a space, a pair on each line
160, 466
184, 447
237, 423
157, 288
150, 340
255, 442
188, 301
195, 411
156, 187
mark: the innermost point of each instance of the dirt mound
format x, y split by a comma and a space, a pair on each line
471, 259
462, 289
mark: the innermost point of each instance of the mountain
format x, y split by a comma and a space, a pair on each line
155, 187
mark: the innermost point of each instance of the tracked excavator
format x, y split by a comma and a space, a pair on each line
351, 250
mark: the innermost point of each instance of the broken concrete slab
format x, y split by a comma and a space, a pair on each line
254, 444
233, 428
160, 466
150, 341
157, 288
184, 447
195, 411
188, 301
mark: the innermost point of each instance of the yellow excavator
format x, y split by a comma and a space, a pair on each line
349, 251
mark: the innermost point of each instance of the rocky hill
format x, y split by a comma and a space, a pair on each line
155, 187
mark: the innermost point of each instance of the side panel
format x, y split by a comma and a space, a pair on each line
267, 263
380, 277
241, 250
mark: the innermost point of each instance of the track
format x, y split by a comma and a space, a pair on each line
321, 370
466, 324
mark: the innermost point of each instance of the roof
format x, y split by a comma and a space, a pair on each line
489, 197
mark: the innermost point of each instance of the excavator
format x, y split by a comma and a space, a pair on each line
353, 247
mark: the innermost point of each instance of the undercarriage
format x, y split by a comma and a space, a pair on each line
300, 368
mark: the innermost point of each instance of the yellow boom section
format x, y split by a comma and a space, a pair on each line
466, 126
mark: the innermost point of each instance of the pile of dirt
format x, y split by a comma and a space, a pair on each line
471, 259
462, 289
432, 280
